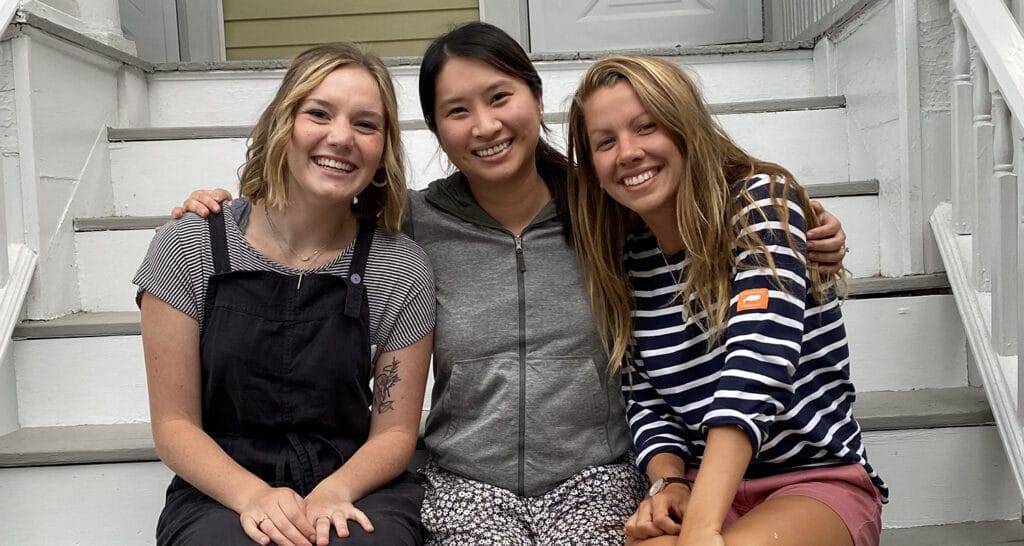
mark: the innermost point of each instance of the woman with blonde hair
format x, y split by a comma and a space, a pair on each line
735, 361
263, 326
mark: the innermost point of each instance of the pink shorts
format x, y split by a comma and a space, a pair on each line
846, 489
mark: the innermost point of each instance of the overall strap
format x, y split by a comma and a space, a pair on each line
354, 298
219, 243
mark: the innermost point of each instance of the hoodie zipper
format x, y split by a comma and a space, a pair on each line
521, 278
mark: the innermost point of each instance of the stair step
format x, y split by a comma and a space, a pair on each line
971, 533
234, 94
853, 188
148, 176
909, 460
148, 134
95, 380
121, 442
126, 323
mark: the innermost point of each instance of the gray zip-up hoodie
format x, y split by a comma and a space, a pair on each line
522, 398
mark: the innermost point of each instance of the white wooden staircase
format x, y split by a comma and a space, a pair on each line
103, 144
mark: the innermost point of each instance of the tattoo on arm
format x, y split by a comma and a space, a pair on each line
382, 384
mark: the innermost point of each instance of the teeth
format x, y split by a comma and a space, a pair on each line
642, 177
493, 150
334, 164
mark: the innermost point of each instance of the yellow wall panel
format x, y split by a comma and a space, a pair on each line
269, 9
271, 29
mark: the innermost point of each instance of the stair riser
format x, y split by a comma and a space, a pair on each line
108, 260
150, 176
119, 503
946, 475
102, 379
237, 98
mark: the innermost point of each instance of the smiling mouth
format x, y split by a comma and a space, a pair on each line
640, 178
334, 164
488, 152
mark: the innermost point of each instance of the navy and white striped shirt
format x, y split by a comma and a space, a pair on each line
780, 371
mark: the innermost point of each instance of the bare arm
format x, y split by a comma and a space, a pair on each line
726, 456
170, 341
400, 378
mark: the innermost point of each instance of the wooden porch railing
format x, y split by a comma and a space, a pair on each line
980, 234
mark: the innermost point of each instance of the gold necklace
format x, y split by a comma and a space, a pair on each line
283, 243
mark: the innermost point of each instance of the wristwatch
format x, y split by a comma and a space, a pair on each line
661, 483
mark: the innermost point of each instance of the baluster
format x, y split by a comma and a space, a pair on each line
5, 248
982, 240
961, 116
1004, 206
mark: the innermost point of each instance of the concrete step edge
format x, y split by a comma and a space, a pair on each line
852, 188
414, 61
1005, 533
147, 134
123, 323
86, 444
126, 323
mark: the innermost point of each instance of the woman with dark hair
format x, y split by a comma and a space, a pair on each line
527, 432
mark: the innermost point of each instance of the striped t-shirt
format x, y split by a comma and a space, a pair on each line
399, 281
780, 370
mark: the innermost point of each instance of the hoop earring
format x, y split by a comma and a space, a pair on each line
379, 174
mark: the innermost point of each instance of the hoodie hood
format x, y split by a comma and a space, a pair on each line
454, 196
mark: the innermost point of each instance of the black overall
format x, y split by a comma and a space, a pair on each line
285, 392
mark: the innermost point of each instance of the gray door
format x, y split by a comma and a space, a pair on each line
174, 30
587, 25
153, 25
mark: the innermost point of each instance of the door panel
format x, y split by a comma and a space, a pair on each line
582, 25
153, 26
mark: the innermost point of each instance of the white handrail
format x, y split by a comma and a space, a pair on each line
980, 236
1001, 44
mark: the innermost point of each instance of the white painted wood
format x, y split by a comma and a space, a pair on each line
911, 215
149, 178
961, 113
108, 504
79, 381
1004, 259
1001, 44
63, 156
12, 295
98, 505
943, 476
982, 241
1005, 292
588, 25
1001, 380
237, 97
107, 262
905, 343
861, 224
8, 8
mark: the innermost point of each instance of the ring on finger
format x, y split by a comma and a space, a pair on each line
264, 518
316, 519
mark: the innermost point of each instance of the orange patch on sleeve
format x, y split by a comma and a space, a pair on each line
755, 298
